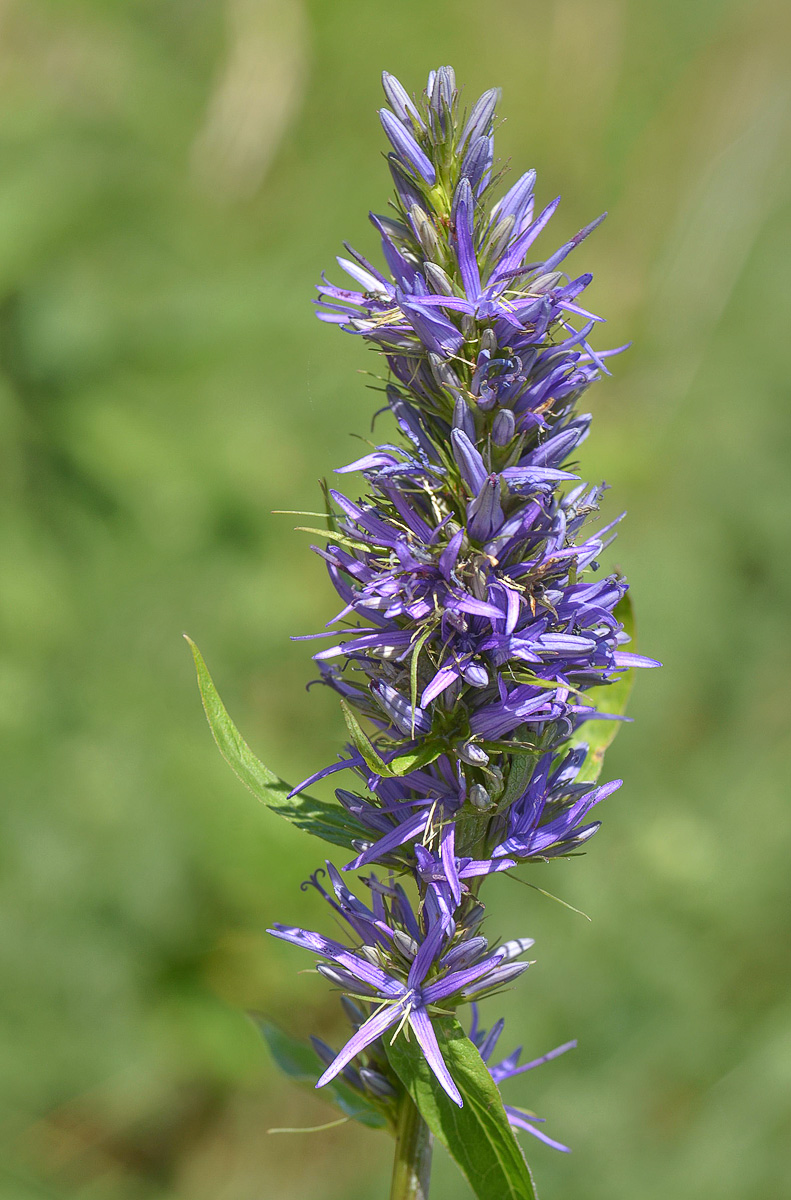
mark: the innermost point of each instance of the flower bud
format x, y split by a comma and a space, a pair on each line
545, 283
394, 229
463, 418
485, 513
478, 160
481, 117
407, 148
424, 231
503, 427
400, 101
473, 755
489, 341
438, 279
403, 942
473, 918
476, 675
444, 375
442, 91
500, 238
479, 797
354, 1013
376, 1083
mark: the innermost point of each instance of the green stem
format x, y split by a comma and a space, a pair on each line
412, 1163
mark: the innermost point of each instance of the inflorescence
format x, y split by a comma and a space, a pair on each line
474, 620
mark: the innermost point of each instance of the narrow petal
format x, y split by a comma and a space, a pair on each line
403, 832
465, 249
427, 954
424, 1032
537, 1062
373, 1028
516, 1118
489, 1043
442, 680
456, 980
560, 254
450, 555
448, 857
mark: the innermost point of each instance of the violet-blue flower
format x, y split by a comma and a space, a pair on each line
479, 647
507, 1068
405, 964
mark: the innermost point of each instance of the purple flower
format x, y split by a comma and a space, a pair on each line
404, 965
508, 1067
476, 631
547, 819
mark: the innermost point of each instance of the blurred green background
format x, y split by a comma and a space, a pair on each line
175, 174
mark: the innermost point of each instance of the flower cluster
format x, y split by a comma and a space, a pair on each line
406, 964
474, 621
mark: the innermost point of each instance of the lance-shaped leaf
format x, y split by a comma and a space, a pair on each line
401, 764
410, 760
326, 821
363, 743
303, 1065
609, 698
519, 774
478, 1135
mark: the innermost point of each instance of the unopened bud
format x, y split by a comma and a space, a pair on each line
404, 943
545, 283
325, 1052
438, 279
394, 229
489, 341
442, 90
463, 418
473, 917
474, 755
424, 231
480, 118
376, 1084
444, 375
503, 231
479, 797
503, 427
354, 1013
400, 101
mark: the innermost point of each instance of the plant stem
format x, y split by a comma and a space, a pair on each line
412, 1162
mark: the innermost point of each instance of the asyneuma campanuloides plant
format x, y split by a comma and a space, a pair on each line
478, 653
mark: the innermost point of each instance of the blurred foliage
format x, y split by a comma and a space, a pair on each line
175, 174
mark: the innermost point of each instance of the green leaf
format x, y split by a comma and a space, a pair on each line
302, 1064
326, 821
330, 535
418, 646
402, 763
329, 512
363, 743
478, 1135
410, 760
608, 698
518, 778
